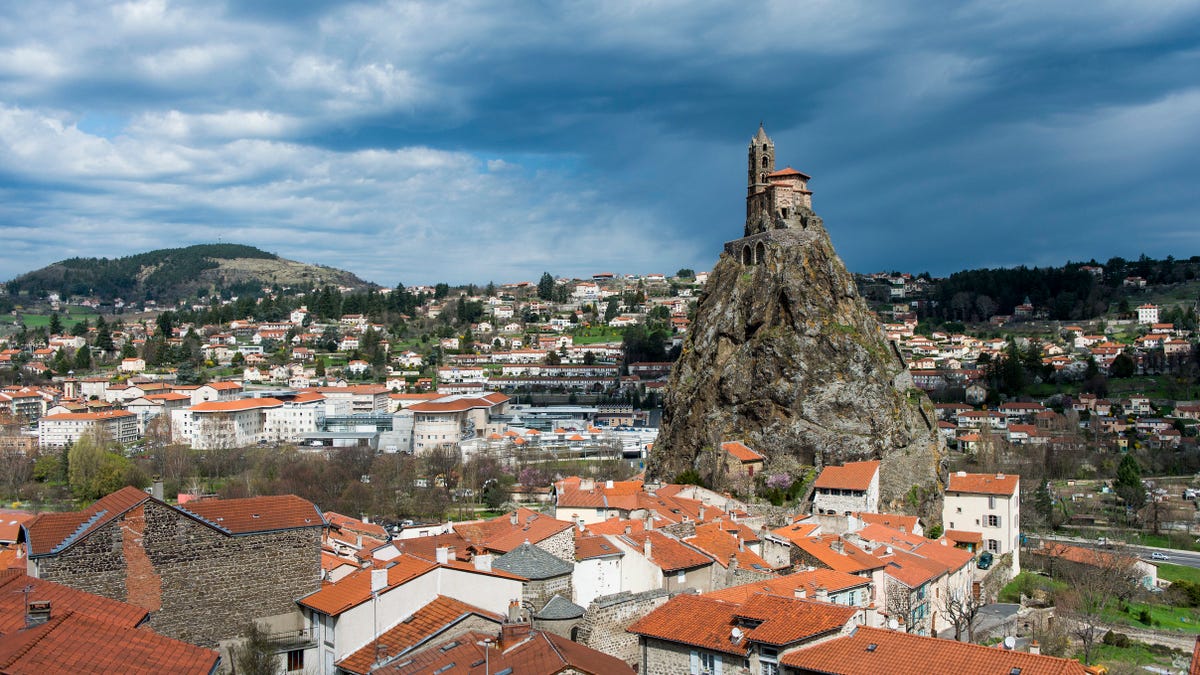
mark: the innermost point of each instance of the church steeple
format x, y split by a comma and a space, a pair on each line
760, 162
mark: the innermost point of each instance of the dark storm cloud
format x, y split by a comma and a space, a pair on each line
472, 140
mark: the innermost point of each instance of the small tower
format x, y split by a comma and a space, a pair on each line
760, 162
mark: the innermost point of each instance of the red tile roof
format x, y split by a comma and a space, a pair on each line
52, 532
671, 555
10, 524
237, 405
788, 171
899, 653
964, 537
63, 598
722, 546
74, 643
541, 653
851, 560
458, 403
356, 525
257, 514
89, 416
892, 520
984, 483
441, 613
500, 535
849, 476
701, 621
355, 589
741, 452
594, 546
808, 580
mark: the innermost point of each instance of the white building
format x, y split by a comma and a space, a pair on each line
1148, 314
244, 422
989, 504
57, 431
850, 488
450, 419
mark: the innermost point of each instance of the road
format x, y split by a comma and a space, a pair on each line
1174, 556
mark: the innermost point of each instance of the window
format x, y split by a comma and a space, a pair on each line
993, 545
295, 660
991, 502
993, 521
710, 663
768, 661
958, 510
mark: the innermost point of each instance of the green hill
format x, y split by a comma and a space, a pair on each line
168, 275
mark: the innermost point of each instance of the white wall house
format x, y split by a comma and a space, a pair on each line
989, 504
57, 431
850, 488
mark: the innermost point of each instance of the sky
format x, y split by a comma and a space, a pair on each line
466, 141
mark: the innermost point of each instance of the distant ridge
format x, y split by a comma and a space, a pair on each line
171, 274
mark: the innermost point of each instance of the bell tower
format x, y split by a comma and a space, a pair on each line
761, 162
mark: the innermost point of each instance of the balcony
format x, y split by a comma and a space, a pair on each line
303, 638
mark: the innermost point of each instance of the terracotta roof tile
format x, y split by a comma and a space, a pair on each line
716, 542
964, 537
63, 598
441, 613
594, 546
355, 589
851, 559
849, 476
52, 532
786, 585
356, 525
237, 405
874, 650
741, 452
671, 555
458, 403
257, 514
501, 535
984, 483
892, 520
541, 653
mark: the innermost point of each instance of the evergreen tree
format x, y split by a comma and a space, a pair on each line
1128, 483
104, 339
1043, 501
83, 358
545, 288
55, 324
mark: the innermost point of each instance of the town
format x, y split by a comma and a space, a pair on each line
344, 480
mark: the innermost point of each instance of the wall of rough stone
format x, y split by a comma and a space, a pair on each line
536, 593
604, 623
561, 546
669, 658
200, 584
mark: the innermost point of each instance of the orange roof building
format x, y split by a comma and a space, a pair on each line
847, 489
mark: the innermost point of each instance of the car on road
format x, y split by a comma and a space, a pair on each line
1159, 556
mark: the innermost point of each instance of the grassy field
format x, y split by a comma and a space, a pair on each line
1175, 573
70, 318
1026, 583
1137, 654
1162, 617
594, 334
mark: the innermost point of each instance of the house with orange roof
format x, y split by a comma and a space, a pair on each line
656, 560
989, 504
823, 585
731, 553
129, 545
869, 651
447, 420
695, 634
896, 521
504, 533
846, 489
597, 568
51, 629
740, 460
348, 615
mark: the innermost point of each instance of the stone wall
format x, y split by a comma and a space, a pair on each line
200, 585
670, 658
561, 546
537, 592
604, 624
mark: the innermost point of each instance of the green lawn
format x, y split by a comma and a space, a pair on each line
1175, 573
594, 334
1026, 583
1137, 654
1162, 617
72, 317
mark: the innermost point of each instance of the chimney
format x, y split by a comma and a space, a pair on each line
37, 613
483, 562
836, 545
579, 524
628, 529
379, 580
646, 546
513, 519
800, 592
741, 542
156, 490
608, 484
821, 594
358, 541
733, 563
1034, 647
701, 518
514, 611
443, 554
903, 529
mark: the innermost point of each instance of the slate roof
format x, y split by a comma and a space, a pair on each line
559, 608
532, 562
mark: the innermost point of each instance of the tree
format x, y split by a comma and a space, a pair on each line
1122, 366
1128, 484
256, 655
55, 324
97, 467
961, 608
686, 273
1094, 585
83, 358
545, 287
104, 339
1043, 502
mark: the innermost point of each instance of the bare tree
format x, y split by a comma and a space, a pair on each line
1098, 580
962, 609
902, 604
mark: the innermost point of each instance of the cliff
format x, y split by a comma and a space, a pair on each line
785, 355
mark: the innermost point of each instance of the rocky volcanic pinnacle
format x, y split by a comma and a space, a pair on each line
785, 355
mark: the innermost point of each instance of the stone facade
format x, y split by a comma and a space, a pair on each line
604, 623
537, 592
660, 657
561, 546
200, 585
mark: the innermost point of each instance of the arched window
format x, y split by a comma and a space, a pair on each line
747, 255
760, 253
764, 162
762, 178
764, 147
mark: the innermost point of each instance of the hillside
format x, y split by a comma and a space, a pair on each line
168, 275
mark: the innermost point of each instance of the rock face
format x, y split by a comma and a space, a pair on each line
784, 355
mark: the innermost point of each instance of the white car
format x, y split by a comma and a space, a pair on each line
1159, 556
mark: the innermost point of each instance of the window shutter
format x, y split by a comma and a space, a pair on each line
717, 665
695, 662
